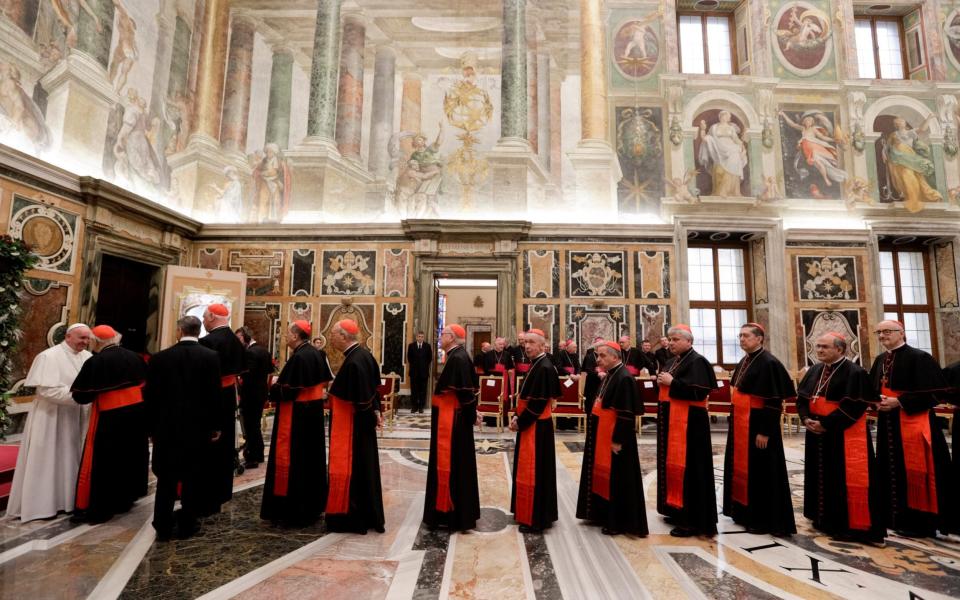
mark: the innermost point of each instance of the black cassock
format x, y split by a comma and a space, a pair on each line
114, 466
840, 494
685, 486
915, 501
756, 487
611, 489
592, 384
221, 457
355, 498
497, 362
295, 490
453, 495
182, 398
568, 363
534, 499
253, 396
952, 374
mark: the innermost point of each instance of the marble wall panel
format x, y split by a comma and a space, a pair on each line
264, 319
349, 272
586, 322
330, 313
393, 338
541, 274
758, 262
814, 323
653, 320
596, 274
264, 269
950, 328
396, 266
652, 278
210, 258
44, 311
827, 277
946, 275
49, 230
545, 317
303, 268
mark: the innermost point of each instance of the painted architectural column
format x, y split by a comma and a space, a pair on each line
281, 95
208, 103
350, 93
593, 76
556, 125
166, 24
95, 30
236, 89
533, 105
410, 109
322, 112
543, 108
513, 71
381, 127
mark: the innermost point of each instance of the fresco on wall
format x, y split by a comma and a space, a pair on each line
951, 35
905, 169
720, 149
803, 35
640, 152
636, 47
812, 162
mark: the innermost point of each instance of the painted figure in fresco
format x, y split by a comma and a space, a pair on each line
229, 197
909, 164
68, 13
724, 153
136, 160
418, 181
816, 147
636, 46
272, 189
18, 112
806, 30
125, 53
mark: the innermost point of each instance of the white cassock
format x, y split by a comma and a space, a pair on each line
45, 480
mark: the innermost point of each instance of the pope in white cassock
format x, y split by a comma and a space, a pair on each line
45, 480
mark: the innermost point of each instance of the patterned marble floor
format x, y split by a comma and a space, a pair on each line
239, 556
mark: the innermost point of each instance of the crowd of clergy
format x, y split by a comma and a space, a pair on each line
85, 447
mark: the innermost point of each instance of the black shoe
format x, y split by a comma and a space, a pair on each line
669, 520
913, 533
683, 532
608, 531
251, 464
528, 529
185, 533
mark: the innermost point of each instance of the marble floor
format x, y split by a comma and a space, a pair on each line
237, 555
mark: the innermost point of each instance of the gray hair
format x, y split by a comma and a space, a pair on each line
681, 332
189, 326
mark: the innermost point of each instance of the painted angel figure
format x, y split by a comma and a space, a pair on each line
808, 30
817, 146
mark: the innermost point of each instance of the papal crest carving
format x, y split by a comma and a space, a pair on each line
349, 273
596, 274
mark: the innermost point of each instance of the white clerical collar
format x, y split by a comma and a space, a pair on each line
189, 338
901, 345
838, 361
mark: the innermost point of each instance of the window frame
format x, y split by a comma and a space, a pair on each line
717, 304
876, 50
731, 30
899, 308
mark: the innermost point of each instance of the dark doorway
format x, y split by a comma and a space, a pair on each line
123, 299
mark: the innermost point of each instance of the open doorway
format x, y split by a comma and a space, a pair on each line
470, 301
124, 301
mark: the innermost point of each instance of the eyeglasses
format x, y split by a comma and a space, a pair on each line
887, 331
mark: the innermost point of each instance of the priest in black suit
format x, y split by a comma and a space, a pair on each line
182, 397
253, 395
419, 357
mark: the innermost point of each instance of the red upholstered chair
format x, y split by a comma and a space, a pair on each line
718, 402
570, 403
491, 399
947, 411
649, 396
389, 385
790, 415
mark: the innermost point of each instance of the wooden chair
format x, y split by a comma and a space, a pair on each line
570, 403
491, 399
946, 411
388, 387
718, 401
649, 396
790, 415
515, 392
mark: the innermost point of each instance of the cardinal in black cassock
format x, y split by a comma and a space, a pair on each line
685, 487
221, 458
912, 453
952, 374
590, 370
182, 398
295, 489
253, 395
611, 484
498, 360
113, 468
355, 498
840, 494
756, 487
453, 495
568, 361
534, 501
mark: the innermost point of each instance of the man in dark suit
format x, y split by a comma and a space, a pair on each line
253, 395
663, 354
419, 357
182, 397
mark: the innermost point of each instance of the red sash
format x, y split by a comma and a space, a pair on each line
742, 405
522, 367
499, 368
633, 370
341, 456
857, 464
228, 381
284, 417
105, 401
917, 443
677, 444
569, 370
603, 455
527, 467
446, 405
